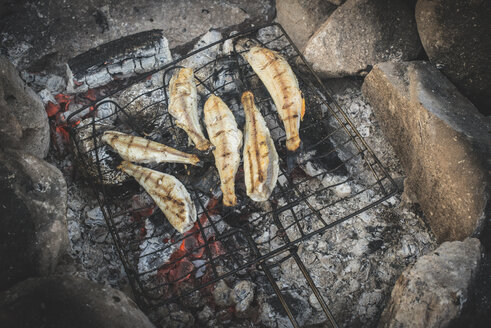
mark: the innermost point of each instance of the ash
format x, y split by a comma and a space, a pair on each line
92, 253
354, 264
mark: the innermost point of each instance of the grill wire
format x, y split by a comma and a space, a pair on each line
242, 239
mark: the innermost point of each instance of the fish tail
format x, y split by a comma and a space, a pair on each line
126, 167
229, 197
293, 143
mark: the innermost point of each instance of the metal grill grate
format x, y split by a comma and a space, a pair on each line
334, 168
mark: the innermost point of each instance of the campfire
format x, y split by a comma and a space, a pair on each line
334, 178
184, 164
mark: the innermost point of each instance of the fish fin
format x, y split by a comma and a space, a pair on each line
199, 163
121, 165
302, 113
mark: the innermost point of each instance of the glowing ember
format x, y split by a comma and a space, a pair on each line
178, 269
57, 113
90, 94
63, 99
194, 247
61, 131
217, 249
52, 109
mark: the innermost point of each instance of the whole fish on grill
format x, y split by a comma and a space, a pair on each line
183, 106
260, 158
169, 194
278, 77
227, 139
141, 150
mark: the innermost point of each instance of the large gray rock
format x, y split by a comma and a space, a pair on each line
22, 108
360, 34
442, 141
10, 129
33, 205
65, 301
43, 35
336, 2
455, 35
301, 18
432, 292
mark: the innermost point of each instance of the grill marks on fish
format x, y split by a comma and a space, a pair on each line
284, 85
278, 77
255, 145
140, 150
183, 107
169, 194
260, 157
227, 139
161, 191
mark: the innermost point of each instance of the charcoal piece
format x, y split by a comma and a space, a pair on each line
134, 54
327, 157
110, 52
204, 179
93, 155
221, 294
272, 313
243, 295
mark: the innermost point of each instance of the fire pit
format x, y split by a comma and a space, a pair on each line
335, 177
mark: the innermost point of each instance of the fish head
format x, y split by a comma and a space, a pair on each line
186, 73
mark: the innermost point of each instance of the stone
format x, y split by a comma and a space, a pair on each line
10, 129
360, 34
221, 294
442, 141
22, 108
243, 295
42, 36
67, 301
431, 292
178, 319
455, 36
301, 18
336, 2
33, 206
206, 314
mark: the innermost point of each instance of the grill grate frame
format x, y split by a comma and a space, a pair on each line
242, 243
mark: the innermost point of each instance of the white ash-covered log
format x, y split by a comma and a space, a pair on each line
134, 54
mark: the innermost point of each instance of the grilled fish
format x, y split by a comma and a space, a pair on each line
227, 139
278, 77
169, 194
260, 157
184, 106
141, 150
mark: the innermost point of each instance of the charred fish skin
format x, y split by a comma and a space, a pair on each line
227, 139
169, 194
281, 83
183, 106
261, 166
140, 150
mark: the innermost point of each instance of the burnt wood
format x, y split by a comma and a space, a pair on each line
113, 52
